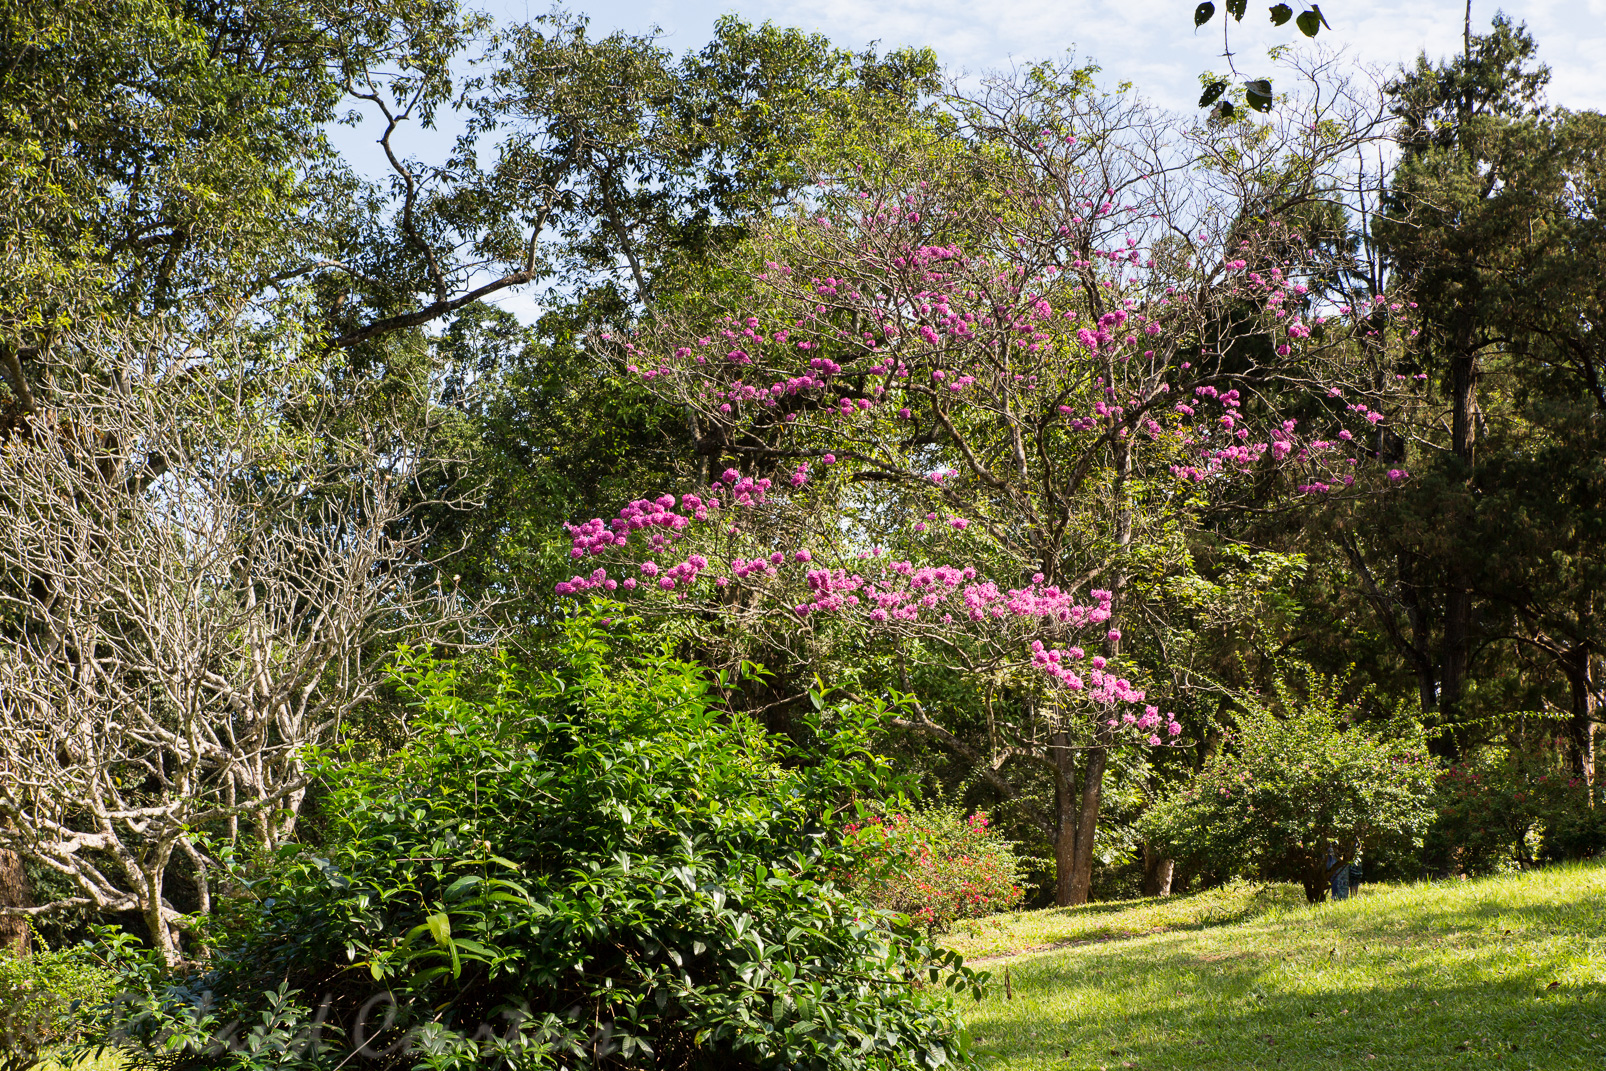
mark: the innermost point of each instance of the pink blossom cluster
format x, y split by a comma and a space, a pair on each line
1104, 688
594, 537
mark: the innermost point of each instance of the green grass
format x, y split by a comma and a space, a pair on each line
1505, 972
108, 1060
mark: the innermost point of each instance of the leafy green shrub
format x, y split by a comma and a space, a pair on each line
936, 866
50, 998
1292, 787
586, 870
1505, 809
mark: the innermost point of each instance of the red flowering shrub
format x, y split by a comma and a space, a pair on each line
936, 866
1512, 810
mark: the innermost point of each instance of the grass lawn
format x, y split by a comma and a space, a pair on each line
1505, 972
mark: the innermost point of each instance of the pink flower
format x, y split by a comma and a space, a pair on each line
1154, 741
960, 523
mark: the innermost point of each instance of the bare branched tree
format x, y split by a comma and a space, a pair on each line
207, 563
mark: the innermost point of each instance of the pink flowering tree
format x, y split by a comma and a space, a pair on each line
961, 397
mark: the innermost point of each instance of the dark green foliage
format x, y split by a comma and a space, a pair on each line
1497, 812
587, 868
1293, 787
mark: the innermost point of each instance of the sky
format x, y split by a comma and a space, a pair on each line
1150, 43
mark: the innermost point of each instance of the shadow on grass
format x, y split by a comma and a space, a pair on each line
1502, 976
1232, 1011
1067, 927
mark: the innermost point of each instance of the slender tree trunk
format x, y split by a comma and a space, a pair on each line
14, 892
153, 904
1458, 603
1157, 872
1087, 824
1064, 818
1582, 716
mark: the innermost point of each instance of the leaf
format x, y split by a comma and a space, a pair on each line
1318, 10
440, 928
1224, 111
1203, 13
1212, 92
1309, 22
1236, 8
1259, 94
468, 881
1280, 14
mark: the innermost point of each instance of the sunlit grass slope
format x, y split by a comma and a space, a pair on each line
1505, 972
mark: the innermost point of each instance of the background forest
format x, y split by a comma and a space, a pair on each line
914, 496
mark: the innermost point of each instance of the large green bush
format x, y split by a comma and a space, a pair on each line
589, 869
1294, 787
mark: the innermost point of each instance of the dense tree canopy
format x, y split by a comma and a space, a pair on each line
1052, 429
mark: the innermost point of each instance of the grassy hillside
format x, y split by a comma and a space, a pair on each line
1505, 972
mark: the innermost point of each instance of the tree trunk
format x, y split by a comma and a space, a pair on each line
1076, 820
154, 906
1157, 872
14, 892
1581, 718
1087, 824
1458, 594
1064, 817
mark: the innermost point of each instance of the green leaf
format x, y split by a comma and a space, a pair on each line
1318, 10
1309, 22
1203, 13
1280, 14
1212, 93
1224, 111
468, 881
440, 928
1259, 94
1236, 8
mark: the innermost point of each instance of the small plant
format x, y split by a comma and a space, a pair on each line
937, 866
50, 998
